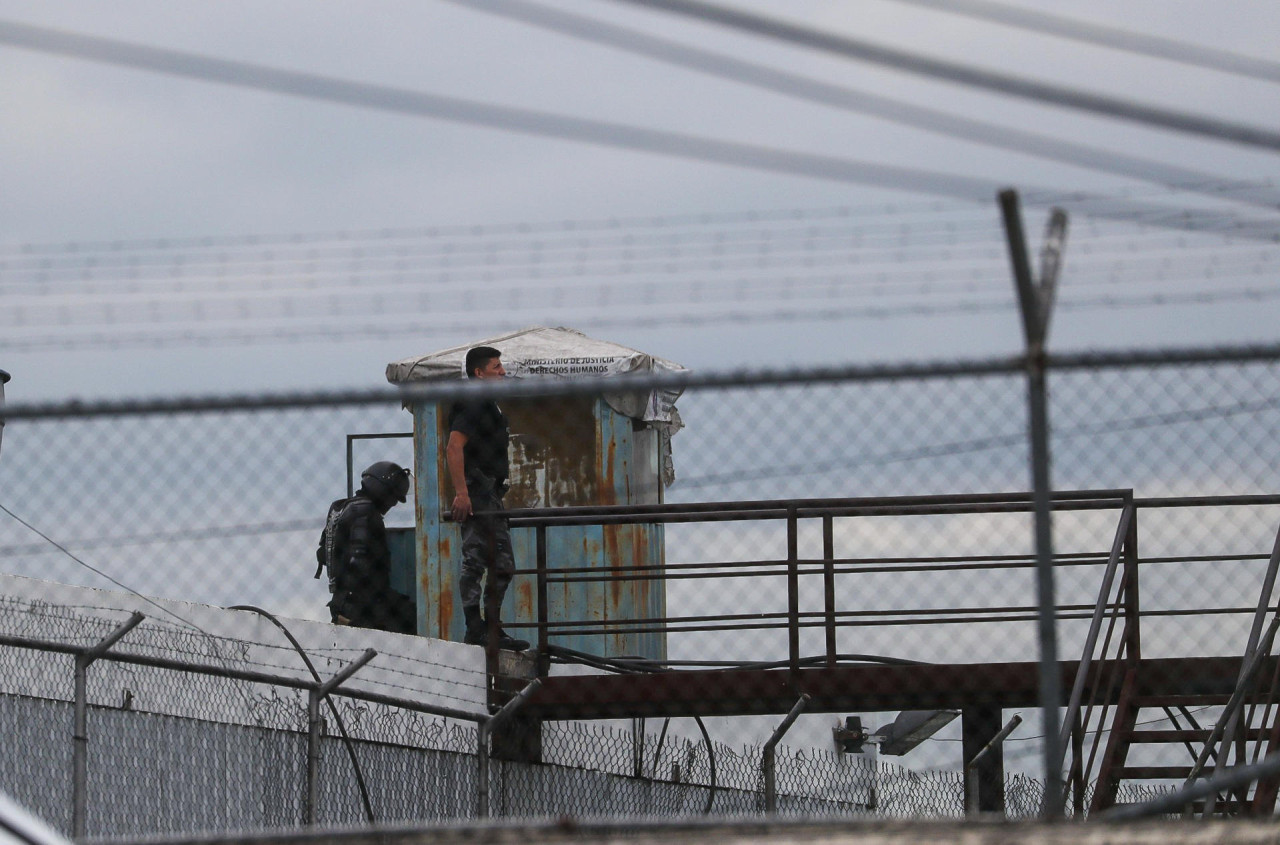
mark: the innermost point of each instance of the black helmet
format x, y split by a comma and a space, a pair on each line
385, 480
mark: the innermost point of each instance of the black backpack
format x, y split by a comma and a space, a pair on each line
331, 553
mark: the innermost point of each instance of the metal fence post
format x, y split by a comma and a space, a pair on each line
314, 722
486, 730
767, 758
80, 732
1036, 304
971, 768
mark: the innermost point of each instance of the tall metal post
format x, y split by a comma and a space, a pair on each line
483, 733
312, 799
974, 771
314, 722
768, 757
80, 732
1036, 302
829, 587
793, 591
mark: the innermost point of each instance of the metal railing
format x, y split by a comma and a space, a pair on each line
794, 567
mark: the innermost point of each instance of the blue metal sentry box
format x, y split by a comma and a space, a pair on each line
565, 451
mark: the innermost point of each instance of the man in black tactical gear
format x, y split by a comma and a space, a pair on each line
476, 456
353, 546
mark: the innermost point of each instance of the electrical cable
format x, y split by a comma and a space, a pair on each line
1173, 719
711, 764
625, 136
337, 717
635, 666
895, 110
102, 574
959, 74
639, 665
1104, 36
186, 535
402, 101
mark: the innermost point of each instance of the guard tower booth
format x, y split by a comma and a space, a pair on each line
611, 449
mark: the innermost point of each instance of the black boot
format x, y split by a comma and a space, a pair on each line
507, 641
475, 634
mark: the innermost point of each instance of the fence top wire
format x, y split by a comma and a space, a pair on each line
439, 677
549, 387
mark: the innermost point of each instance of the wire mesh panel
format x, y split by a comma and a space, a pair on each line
868, 521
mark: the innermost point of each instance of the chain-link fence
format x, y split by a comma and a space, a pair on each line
868, 520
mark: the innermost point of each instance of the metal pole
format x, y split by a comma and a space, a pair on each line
793, 590
544, 613
351, 472
314, 723
312, 799
1035, 321
767, 757
79, 751
970, 781
1255, 634
1233, 703
486, 730
1171, 802
1095, 626
80, 730
829, 587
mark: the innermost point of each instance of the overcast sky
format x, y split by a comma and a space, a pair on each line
93, 153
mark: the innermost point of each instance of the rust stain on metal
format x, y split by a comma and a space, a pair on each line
641, 588
579, 601
444, 587
444, 610
609, 491
613, 561
526, 608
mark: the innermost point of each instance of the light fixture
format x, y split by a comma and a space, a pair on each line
909, 729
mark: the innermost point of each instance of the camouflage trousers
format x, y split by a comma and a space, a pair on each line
486, 548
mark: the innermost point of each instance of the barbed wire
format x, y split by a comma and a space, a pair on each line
388, 321
703, 273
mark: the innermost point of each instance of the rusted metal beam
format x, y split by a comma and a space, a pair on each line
850, 688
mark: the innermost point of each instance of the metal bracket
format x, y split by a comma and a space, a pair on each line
1035, 298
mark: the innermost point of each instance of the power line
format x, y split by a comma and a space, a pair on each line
100, 573
898, 111
164, 537
401, 101
1121, 39
967, 75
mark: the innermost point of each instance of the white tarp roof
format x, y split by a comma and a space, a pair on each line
560, 353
